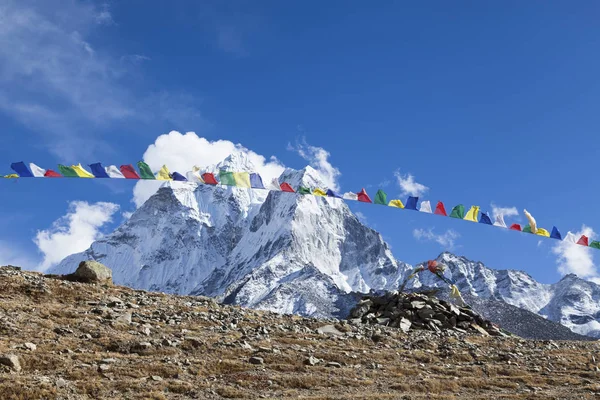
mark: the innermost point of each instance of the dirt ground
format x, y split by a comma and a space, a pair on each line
83, 341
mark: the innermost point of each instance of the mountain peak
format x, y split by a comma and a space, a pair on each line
307, 177
570, 277
237, 162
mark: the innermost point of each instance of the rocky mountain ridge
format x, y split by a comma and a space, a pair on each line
291, 253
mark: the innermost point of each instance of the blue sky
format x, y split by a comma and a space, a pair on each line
480, 103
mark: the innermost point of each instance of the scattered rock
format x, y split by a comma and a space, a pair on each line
11, 361
92, 272
405, 325
143, 346
124, 318
103, 367
29, 346
329, 330
114, 302
156, 378
312, 361
334, 364
417, 305
61, 383
256, 360
63, 331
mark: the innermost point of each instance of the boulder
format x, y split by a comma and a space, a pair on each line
93, 272
256, 360
405, 325
11, 361
329, 330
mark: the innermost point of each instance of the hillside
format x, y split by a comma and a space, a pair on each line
79, 341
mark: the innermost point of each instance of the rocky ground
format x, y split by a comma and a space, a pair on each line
421, 311
69, 340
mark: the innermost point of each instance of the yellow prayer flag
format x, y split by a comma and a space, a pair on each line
319, 192
242, 179
455, 294
11, 176
163, 174
396, 203
472, 214
82, 173
542, 232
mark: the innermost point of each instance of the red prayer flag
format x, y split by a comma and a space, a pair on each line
583, 240
363, 196
440, 209
515, 227
129, 172
209, 178
51, 174
285, 187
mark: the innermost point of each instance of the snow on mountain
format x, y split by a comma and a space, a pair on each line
268, 250
572, 302
296, 254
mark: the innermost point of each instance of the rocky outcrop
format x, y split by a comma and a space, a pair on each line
418, 311
92, 272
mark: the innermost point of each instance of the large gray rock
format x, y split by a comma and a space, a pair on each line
93, 272
11, 361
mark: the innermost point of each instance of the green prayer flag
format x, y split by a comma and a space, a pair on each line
145, 171
458, 212
303, 190
527, 228
227, 178
381, 198
595, 244
67, 172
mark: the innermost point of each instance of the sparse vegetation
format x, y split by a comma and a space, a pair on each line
181, 347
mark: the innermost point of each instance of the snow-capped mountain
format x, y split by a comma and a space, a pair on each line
268, 250
296, 254
572, 302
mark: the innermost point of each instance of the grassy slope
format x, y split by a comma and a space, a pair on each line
74, 335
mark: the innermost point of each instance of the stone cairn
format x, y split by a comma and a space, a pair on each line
420, 311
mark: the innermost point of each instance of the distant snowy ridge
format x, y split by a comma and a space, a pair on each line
572, 302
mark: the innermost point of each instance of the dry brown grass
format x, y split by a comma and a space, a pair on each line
216, 365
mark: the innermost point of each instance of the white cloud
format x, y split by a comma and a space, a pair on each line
409, 186
181, 152
446, 239
104, 17
126, 214
318, 158
506, 211
73, 232
577, 259
54, 81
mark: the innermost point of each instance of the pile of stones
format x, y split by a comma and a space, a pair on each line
409, 311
